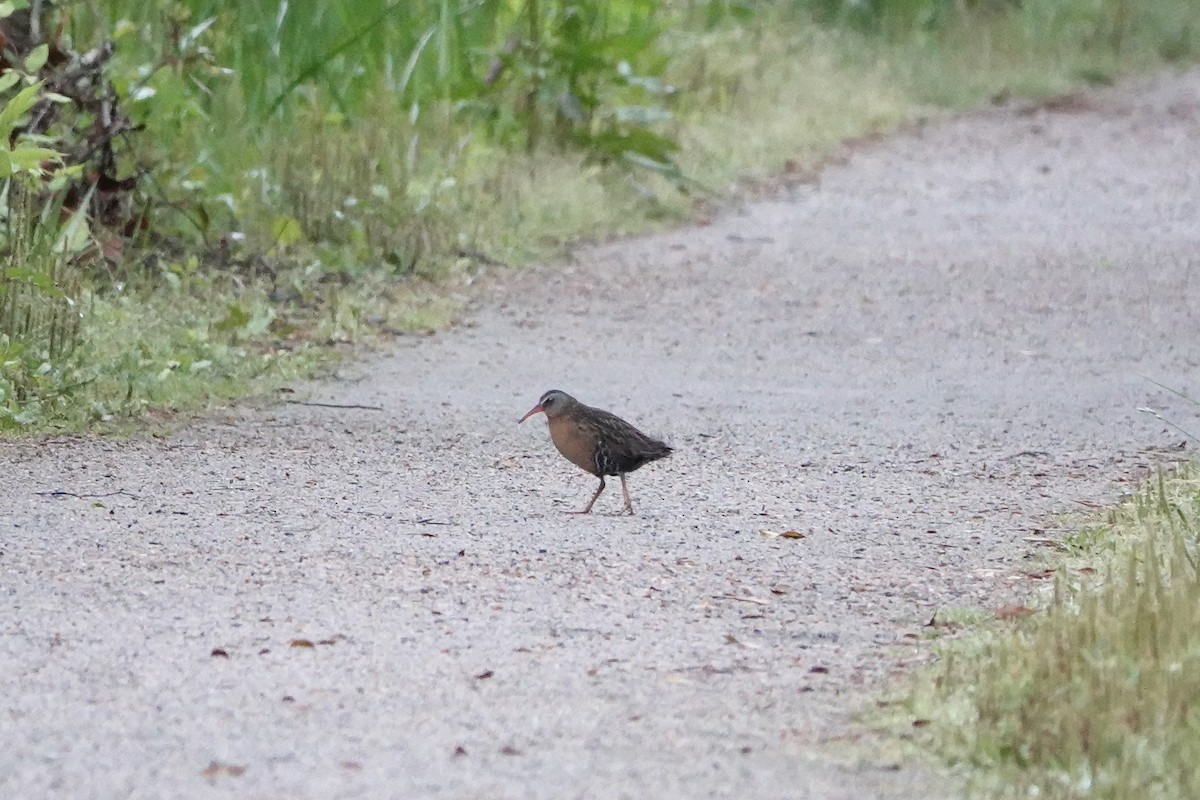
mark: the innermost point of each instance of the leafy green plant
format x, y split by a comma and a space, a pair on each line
578, 73
592, 72
38, 286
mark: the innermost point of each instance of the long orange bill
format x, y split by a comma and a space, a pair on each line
535, 410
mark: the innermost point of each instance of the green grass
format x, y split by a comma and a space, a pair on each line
1098, 695
161, 356
361, 186
1041, 49
154, 354
766, 100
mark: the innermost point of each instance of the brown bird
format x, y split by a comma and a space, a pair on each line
596, 441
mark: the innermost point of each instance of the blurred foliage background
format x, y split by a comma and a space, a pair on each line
204, 198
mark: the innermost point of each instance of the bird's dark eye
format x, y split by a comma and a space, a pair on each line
547, 401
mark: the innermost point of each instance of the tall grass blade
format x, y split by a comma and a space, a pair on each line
318, 64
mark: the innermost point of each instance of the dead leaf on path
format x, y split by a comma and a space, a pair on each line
819, 670
460, 751
1013, 612
509, 750
216, 768
483, 676
218, 652
302, 643
790, 534
921, 723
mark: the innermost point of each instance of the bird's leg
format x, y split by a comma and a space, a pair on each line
588, 508
625, 491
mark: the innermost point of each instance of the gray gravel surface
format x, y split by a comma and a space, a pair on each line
918, 363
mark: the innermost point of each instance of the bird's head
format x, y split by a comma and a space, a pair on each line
552, 404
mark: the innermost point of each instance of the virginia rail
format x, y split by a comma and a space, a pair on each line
596, 441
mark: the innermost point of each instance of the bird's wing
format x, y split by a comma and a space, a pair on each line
620, 445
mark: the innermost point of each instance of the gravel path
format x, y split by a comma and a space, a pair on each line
917, 364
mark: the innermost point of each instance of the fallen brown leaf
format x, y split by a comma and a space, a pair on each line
302, 643
789, 534
216, 768
1013, 612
